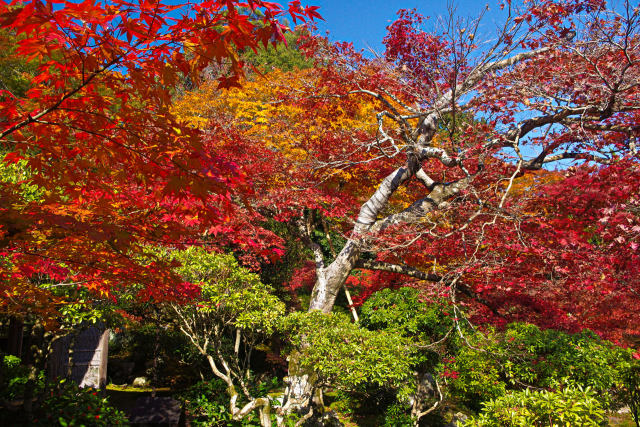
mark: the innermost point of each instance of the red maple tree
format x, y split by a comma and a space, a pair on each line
451, 180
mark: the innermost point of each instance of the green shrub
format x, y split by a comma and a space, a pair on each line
230, 295
341, 401
63, 404
207, 404
567, 408
397, 415
70, 405
524, 355
473, 377
629, 389
403, 311
15, 377
346, 356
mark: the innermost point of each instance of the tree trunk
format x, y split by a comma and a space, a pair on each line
332, 278
16, 326
35, 364
298, 395
427, 391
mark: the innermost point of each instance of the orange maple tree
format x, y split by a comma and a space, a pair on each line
95, 135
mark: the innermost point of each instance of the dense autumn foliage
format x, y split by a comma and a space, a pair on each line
511, 168
94, 136
167, 160
503, 175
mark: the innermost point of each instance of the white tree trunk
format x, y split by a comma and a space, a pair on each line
332, 278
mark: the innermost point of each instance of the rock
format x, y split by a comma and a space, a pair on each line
140, 382
326, 419
330, 419
157, 411
458, 417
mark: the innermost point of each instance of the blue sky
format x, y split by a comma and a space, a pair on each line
363, 22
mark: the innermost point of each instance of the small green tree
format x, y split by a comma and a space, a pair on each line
565, 408
346, 356
524, 356
233, 309
334, 352
629, 390
428, 326
284, 57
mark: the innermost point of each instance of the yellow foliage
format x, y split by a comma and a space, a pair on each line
531, 180
265, 109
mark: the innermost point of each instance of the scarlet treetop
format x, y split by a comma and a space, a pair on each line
474, 128
434, 161
449, 177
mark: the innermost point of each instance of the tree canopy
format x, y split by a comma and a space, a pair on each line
182, 153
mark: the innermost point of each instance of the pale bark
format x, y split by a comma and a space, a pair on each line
427, 389
332, 278
204, 337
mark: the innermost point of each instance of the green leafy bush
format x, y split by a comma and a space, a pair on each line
284, 57
15, 377
524, 355
346, 356
567, 408
207, 404
402, 310
63, 404
70, 405
473, 377
397, 415
19, 173
233, 314
629, 389
230, 294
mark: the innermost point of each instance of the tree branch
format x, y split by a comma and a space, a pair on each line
419, 274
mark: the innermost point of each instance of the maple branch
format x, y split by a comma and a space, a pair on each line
476, 75
425, 179
526, 126
419, 274
537, 163
563, 116
441, 105
396, 116
99, 135
31, 119
437, 153
613, 127
372, 207
400, 269
437, 198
